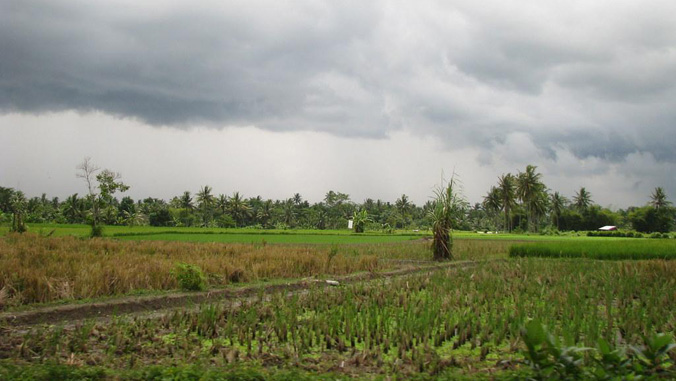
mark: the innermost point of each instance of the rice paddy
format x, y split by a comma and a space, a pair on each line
608, 250
465, 321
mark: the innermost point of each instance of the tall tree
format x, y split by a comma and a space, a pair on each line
556, 206
403, 206
238, 208
507, 188
205, 202
222, 203
264, 214
18, 206
100, 187
658, 199
492, 202
297, 199
289, 212
185, 201
582, 200
73, 209
529, 189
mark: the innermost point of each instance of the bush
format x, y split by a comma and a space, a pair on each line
549, 359
96, 231
613, 233
190, 277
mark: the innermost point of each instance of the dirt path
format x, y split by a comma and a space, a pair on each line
149, 304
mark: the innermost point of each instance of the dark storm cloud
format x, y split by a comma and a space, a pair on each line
596, 78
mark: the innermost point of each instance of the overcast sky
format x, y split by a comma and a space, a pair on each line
370, 98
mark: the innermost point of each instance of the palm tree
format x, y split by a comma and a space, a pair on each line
238, 208
222, 203
73, 209
289, 211
538, 207
186, 201
18, 205
403, 207
507, 188
264, 213
658, 199
205, 201
582, 200
528, 190
492, 202
556, 207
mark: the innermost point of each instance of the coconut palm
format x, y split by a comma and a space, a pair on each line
529, 189
492, 202
73, 209
538, 206
185, 201
18, 205
222, 203
556, 206
205, 202
507, 188
658, 199
264, 213
289, 212
238, 208
582, 200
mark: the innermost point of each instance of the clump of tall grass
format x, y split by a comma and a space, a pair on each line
610, 250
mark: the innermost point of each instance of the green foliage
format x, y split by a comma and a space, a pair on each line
190, 277
18, 208
649, 219
550, 360
360, 218
447, 205
96, 231
613, 234
547, 358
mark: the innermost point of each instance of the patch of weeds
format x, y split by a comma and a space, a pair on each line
190, 277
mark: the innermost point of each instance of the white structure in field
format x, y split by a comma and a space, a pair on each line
349, 224
608, 228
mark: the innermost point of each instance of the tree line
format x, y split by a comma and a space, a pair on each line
518, 202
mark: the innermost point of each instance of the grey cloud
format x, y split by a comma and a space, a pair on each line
467, 74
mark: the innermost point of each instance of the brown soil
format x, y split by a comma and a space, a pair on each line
129, 305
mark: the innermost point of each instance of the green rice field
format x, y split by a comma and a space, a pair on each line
602, 250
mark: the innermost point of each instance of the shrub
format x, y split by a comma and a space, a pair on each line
549, 359
190, 277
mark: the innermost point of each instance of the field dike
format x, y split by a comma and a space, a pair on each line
156, 304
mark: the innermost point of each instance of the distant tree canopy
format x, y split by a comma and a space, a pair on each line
520, 202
